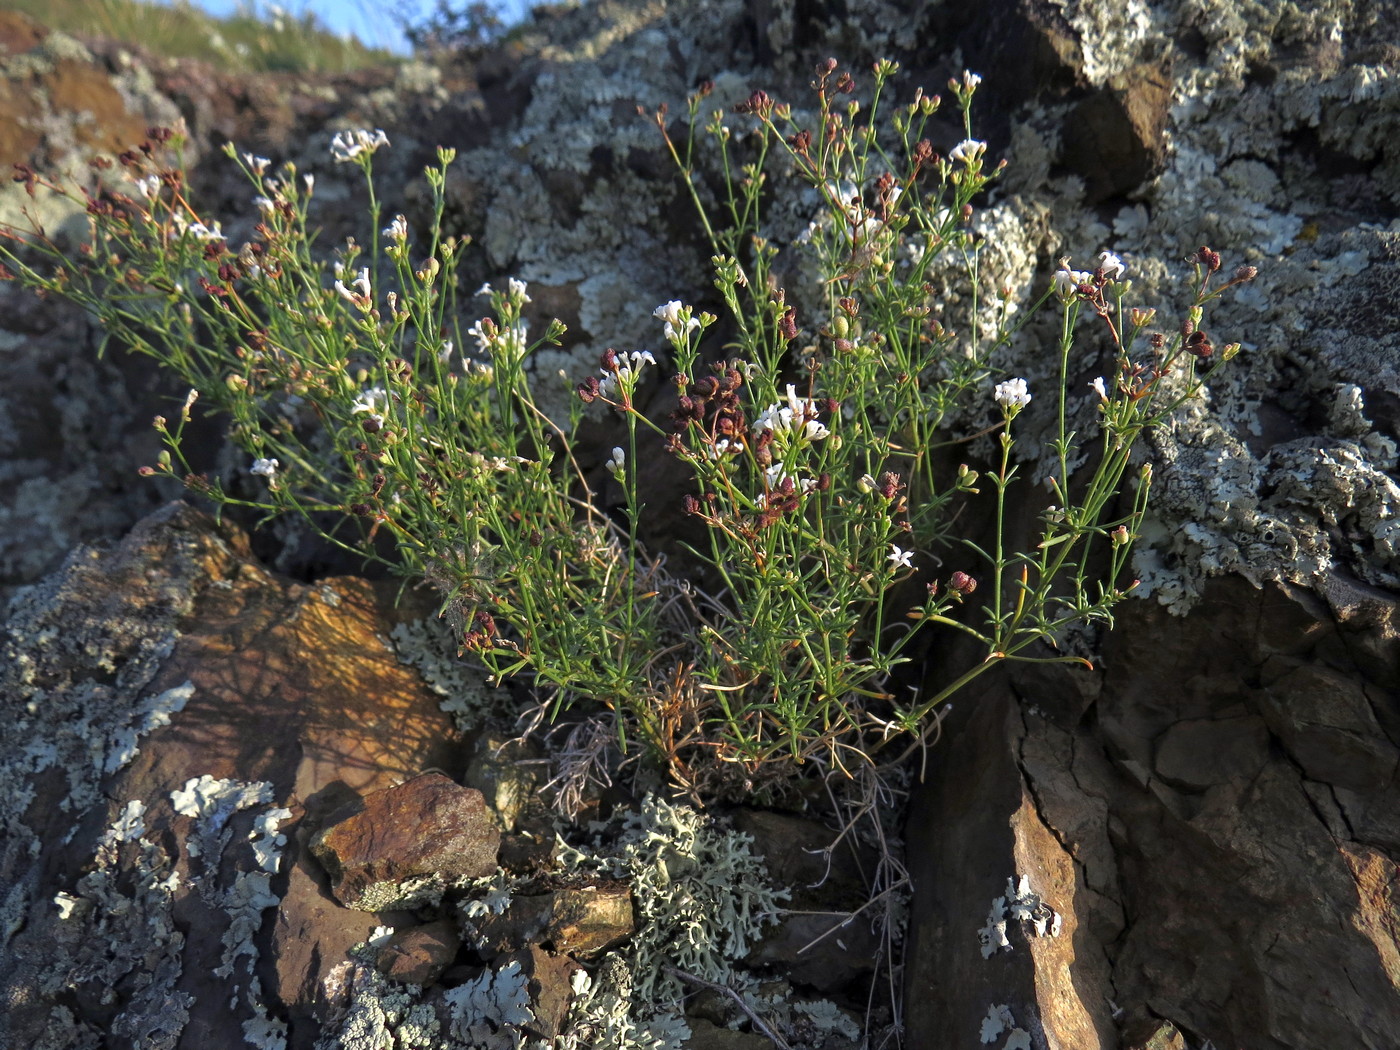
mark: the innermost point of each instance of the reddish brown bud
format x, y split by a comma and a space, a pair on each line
788, 324
962, 583
1246, 273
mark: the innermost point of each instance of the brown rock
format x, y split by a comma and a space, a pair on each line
550, 986
426, 831
1198, 753
1152, 1034
579, 920
804, 856
819, 951
706, 1035
1235, 880
419, 955
1116, 137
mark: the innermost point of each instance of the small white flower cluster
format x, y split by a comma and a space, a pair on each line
1012, 395
397, 231
679, 322
629, 371
796, 419
516, 291
371, 401
968, 151
257, 165
266, 468
348, 145
617, 465
1067, 280
362, 296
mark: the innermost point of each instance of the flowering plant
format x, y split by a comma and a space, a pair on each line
815, 442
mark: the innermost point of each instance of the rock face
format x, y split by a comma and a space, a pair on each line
175, 718
1203, 836
1215, 830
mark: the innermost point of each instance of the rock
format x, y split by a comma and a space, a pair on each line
419, 955
799, 854
817, 950
1116, 137
575, 920
509, 774
1214, 881
1152, 1034
401, 845
173, 712
550, 987
705, 1035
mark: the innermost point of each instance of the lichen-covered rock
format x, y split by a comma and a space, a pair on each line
399, 846
172, 712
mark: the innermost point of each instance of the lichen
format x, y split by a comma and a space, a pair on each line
702, 896
430, 648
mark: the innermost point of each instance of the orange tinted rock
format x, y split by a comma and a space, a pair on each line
420, 836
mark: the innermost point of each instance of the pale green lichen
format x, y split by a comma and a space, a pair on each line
701, 895
429, 646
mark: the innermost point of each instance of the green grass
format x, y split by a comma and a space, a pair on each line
257, 39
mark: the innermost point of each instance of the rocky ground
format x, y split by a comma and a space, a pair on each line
1194, 845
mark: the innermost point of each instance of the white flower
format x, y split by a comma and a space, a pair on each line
971, 80
310, 182
149, 187
369, 402
1012, 394
517, 294
264, 205
798, 418
258, 165
347, 145
360, 297
1100, 387
725, 447
266, 467
967, 151
617, 466
206, 233
865, 483
397, 230
1067, 281
629, 371
1111, 265
679, 323
445, 354
901, 559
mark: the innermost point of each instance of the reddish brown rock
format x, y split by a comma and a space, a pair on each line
420, 836
550, 987
419, 955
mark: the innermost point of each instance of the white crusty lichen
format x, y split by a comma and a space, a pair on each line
1019, 904
1000, 1020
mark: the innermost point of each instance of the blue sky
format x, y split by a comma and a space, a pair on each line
371, 21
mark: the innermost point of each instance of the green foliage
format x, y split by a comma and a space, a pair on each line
255, 39
812, 443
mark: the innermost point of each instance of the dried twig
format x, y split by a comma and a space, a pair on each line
724, 989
